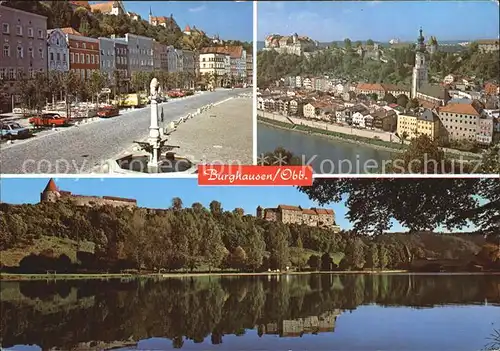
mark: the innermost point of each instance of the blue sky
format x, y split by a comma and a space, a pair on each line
158, 193
229, 19
379, 20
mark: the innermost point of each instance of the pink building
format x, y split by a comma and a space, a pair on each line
23, 46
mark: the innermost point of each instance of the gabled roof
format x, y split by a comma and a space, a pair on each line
70, 30
466, 109
232, 51
291, 208
428, 116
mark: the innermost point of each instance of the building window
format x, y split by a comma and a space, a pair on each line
82, 58
5, 28
40, 34
88, 58
64, 57
77, 57
93, 59
58, 57
40, 52
6, 50
30, 32
20, 52
19, 30
12, 73
72, 57
84, 45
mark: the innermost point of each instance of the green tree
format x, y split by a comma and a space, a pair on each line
383, 257
390, 99
176, 204
372, 256
254, 248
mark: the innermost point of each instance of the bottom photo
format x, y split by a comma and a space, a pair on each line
161, 264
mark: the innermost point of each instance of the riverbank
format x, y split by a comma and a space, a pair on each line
374, 143
106, 276
353, 139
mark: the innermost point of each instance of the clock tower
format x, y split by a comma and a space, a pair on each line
420, 72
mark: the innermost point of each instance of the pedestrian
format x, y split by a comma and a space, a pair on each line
161, 116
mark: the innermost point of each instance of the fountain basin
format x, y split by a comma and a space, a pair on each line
138, 164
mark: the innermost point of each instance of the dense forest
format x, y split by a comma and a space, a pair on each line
348, 64
196, 238
194, 309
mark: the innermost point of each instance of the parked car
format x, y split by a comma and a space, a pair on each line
49, 120
11, 130
108, 111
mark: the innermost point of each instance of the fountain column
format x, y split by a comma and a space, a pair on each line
154, 130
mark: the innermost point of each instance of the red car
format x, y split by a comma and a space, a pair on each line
108, 111
49, 120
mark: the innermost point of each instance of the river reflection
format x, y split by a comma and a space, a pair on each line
294, 312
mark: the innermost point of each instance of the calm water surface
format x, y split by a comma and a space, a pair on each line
294, 312
328, 155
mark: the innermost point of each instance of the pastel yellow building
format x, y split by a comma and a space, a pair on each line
428, 124
407, 126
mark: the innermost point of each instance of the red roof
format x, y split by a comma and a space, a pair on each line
51, 186
70, 30
291, 208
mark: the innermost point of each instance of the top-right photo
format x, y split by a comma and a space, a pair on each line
372, 87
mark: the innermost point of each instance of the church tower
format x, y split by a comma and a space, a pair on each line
419, 77
50, 193
150, 16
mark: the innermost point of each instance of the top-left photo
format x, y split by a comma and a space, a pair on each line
125, 87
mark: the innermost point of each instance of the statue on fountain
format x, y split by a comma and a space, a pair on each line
154, 88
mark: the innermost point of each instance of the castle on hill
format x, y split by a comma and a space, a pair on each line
292, 44
52, 193
314, 217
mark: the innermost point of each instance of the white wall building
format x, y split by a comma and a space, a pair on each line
57, 51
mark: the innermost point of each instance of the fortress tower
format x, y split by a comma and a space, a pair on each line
51, 192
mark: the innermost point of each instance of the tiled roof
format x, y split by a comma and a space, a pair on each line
428, 116
70, 30
309, 211
51, 186
291, 208
489, 41
322, 210
370, 86
233, 51
466, 109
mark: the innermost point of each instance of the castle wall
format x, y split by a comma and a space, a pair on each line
98, 201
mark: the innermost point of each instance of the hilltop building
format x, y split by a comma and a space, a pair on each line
51, 193
314, 217
293, 44
109, 7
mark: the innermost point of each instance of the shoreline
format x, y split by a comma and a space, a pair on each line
315, 132
105, 276
354, 139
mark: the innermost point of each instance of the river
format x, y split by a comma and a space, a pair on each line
355, 312
327, 156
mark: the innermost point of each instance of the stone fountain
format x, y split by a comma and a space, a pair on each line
149, 157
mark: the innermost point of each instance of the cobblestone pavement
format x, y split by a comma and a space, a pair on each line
80, 148
222, 134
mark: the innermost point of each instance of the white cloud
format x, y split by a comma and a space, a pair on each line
197, 9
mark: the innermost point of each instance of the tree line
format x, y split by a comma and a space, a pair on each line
197, 238
395, 68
